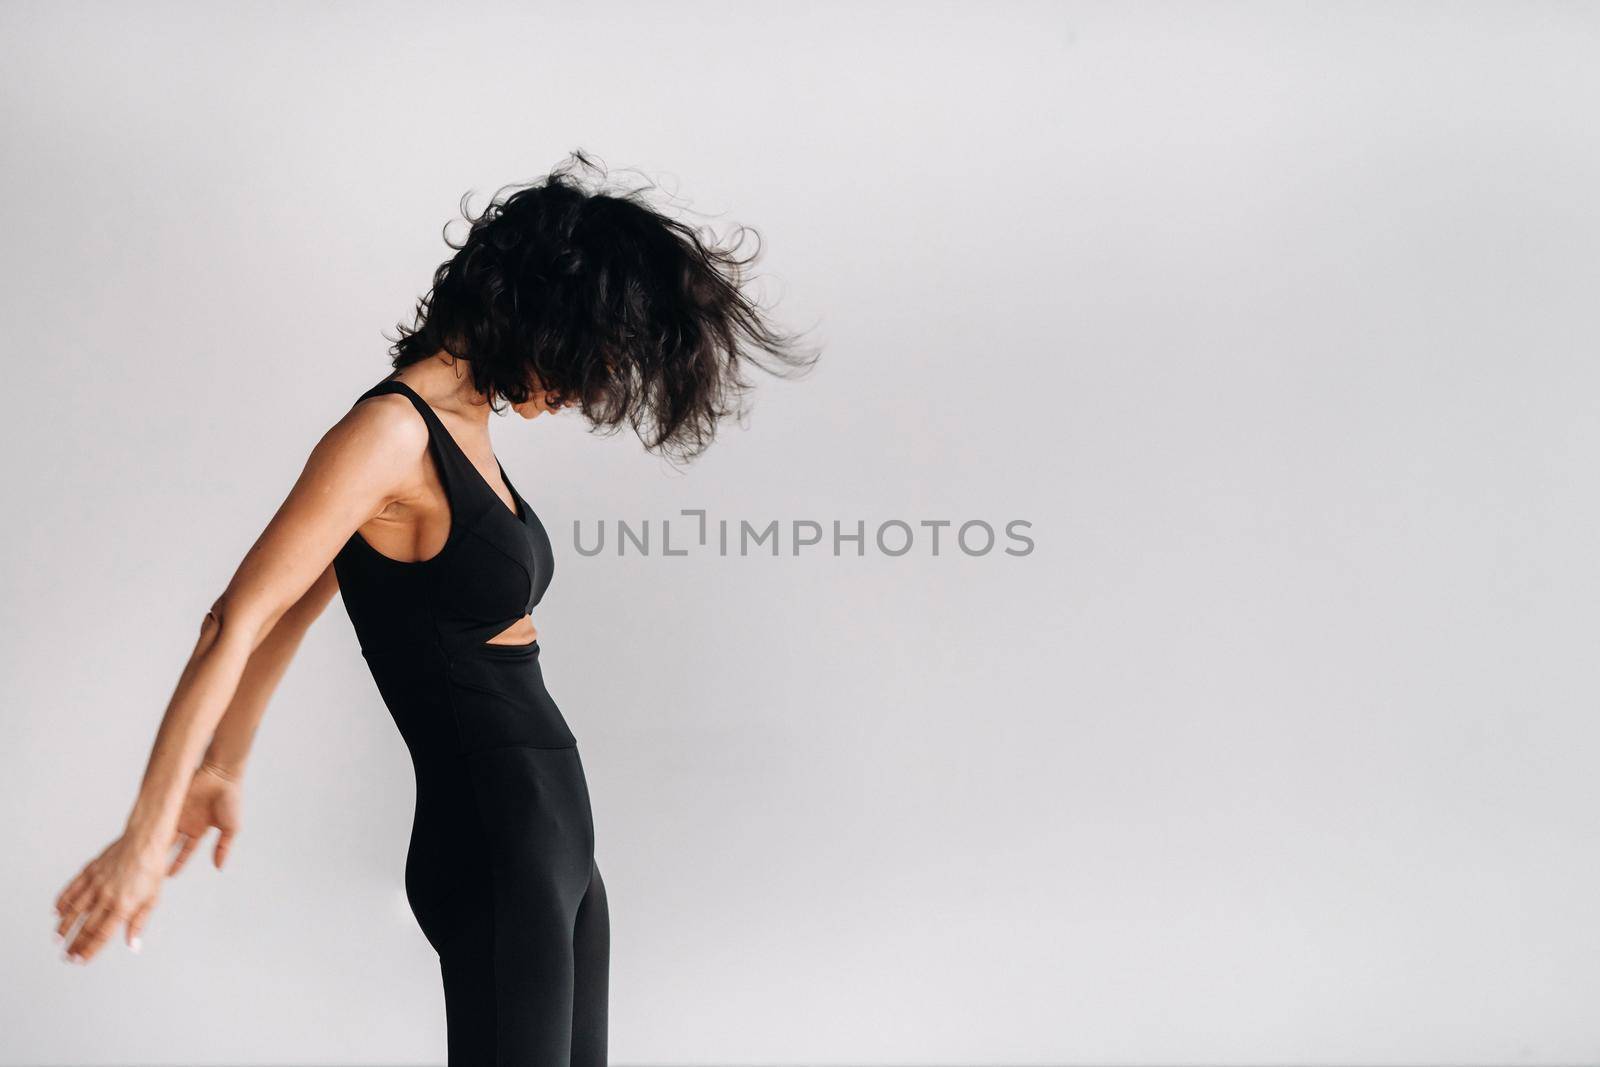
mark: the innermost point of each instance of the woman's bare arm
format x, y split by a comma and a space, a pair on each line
214, 797
230, 745
370, 458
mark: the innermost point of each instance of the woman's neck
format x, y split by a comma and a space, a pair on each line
446, 383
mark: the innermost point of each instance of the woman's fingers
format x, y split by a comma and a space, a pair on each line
92, 920
65, 914
97, 930
65, 895
224, 843
72, 892
81, 887
68, 928
136, 926
90, 936
71, 902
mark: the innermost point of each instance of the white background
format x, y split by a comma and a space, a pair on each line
1277, 322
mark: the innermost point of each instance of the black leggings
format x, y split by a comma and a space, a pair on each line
501, 875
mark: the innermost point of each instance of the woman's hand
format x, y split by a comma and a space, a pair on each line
215, 798
117, 887
121, 885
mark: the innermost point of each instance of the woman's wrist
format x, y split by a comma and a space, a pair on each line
149, 835
226, 771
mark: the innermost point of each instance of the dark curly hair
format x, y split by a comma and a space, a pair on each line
597, 298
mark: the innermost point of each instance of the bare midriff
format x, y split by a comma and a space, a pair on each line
521, 632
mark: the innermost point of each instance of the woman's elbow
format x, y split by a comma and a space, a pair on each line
229, 620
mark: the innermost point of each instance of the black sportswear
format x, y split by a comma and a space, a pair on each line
500, 870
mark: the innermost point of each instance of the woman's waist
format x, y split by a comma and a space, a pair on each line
489, 697
431, 650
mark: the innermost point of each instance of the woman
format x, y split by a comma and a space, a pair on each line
558, 297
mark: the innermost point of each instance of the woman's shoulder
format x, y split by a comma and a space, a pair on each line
390, 418
382, 431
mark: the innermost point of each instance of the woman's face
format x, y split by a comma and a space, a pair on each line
537, 404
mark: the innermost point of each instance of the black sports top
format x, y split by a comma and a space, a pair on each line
493, 569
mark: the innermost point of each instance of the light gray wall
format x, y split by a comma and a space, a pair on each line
1277, 322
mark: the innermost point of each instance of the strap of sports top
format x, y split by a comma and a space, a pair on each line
445, 452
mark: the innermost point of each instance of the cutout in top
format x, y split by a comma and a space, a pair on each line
521, 632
